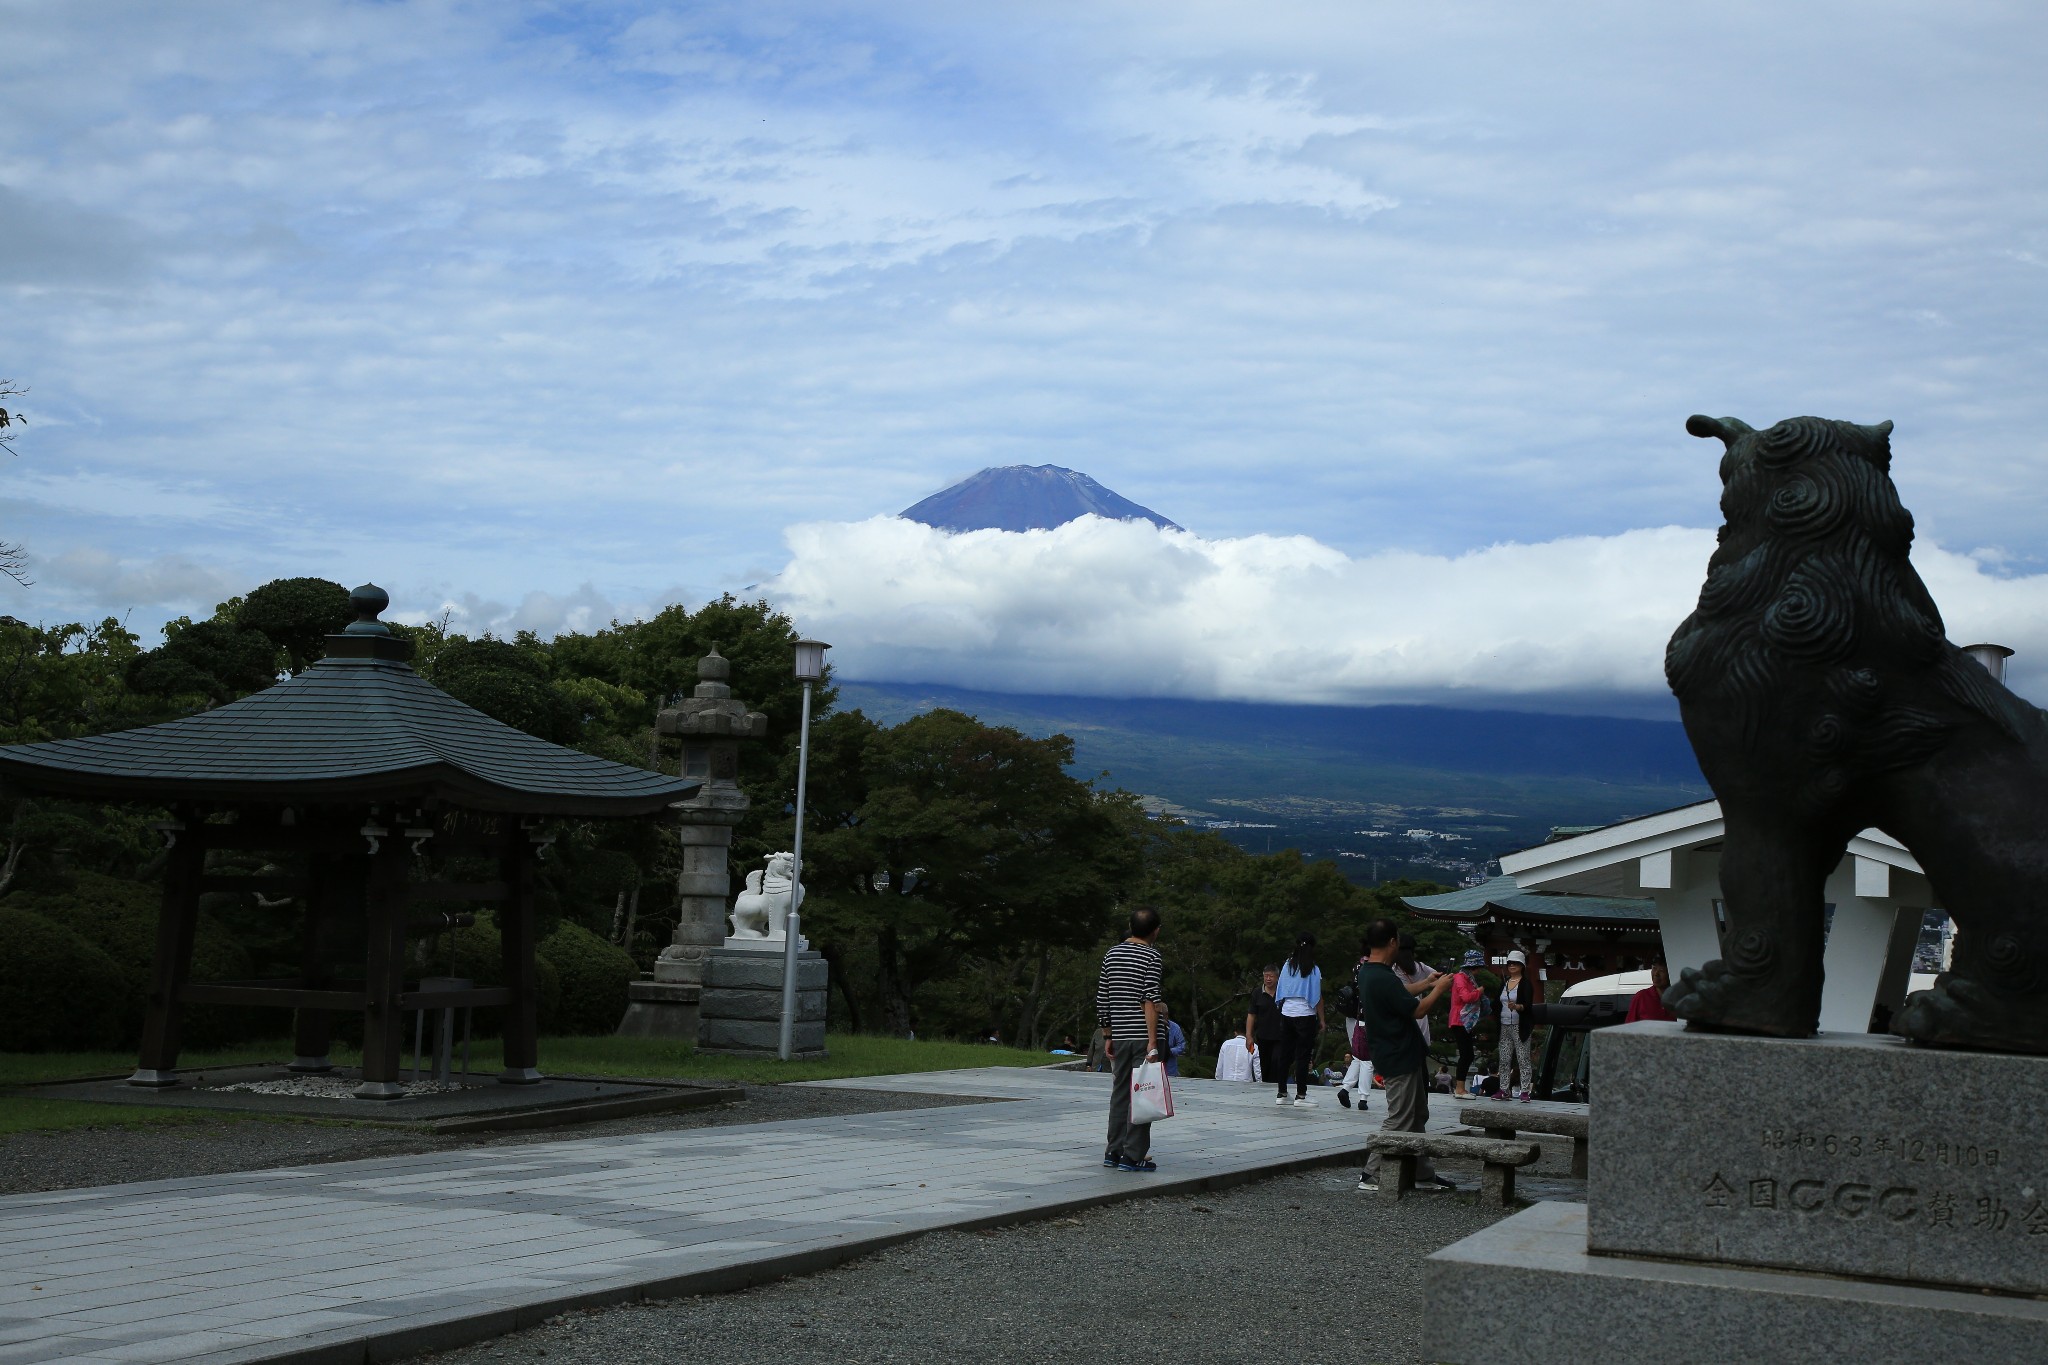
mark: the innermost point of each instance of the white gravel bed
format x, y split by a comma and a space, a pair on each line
337, 1087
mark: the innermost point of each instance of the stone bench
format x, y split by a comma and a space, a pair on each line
1398, 1153
1506, 1120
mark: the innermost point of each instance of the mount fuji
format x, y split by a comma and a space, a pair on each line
1025, 497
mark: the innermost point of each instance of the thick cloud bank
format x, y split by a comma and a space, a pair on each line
1124, 609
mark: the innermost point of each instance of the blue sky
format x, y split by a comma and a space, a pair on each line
541, 313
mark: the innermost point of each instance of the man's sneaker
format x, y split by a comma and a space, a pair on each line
1109, 1161
1344, 1098
1368, 1185
1283, 1100
1137, 1166
1303, 1102
1437, 1182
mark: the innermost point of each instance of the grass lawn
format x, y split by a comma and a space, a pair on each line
655, 1059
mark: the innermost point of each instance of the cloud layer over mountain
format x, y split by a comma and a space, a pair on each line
532, 310
1126, 609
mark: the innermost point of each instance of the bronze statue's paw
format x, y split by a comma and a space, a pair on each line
1693, 993
1958, 1012
1718, 999
1703, 996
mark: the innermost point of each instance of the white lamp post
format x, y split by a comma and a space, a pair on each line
810, 666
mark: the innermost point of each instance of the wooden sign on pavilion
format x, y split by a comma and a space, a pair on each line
354, 766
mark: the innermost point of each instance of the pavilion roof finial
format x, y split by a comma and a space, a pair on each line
368, 601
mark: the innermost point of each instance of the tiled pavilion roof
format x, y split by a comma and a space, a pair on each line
1502, 901
359, 725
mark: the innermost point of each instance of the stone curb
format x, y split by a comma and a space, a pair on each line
668, 1100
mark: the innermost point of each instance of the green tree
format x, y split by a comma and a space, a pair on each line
509, 681
206, 663
296, 615
968, 842
60, 681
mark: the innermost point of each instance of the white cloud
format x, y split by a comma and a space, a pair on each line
91, 582
583, 611
496, 300
1124, 609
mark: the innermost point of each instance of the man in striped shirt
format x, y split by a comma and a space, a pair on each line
1128, 1006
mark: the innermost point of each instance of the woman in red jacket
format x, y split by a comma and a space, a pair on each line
1467, 997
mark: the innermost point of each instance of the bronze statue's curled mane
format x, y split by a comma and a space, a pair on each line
1810, 592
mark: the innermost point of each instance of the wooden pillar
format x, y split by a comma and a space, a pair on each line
384, 971
515, 929
176, 923
332, 882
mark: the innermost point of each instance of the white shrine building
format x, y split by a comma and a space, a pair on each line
1672, 859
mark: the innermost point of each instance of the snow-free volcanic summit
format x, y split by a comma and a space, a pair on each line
1025, 497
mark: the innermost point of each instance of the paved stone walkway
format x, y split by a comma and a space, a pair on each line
372, 1259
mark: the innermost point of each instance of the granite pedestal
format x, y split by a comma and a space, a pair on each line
1783, 1186
1583, 1309
740, 1010
660, 1009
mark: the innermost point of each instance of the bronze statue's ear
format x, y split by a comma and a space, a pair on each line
1727, 428
1880, 444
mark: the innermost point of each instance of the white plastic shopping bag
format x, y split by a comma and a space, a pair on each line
1151, 1093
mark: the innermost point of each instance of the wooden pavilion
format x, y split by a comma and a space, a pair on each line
350, 769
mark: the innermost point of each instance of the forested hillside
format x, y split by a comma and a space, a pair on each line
961, 876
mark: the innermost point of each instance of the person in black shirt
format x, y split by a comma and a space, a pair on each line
1263, 1028
1398, 1053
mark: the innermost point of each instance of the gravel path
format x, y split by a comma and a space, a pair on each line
1298, 1269
76, 1158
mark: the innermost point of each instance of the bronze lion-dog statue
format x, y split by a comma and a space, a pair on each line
1822, 696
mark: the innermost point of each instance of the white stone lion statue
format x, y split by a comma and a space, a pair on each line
762, 910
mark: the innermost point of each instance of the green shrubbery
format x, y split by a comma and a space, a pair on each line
119, 919
56, 989
479, 956
595, 975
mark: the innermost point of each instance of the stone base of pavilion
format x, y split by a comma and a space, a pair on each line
480, 1106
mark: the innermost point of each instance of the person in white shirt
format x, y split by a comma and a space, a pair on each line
1353, 1090
1234, 1062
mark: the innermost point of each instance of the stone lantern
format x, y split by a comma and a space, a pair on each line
710, 723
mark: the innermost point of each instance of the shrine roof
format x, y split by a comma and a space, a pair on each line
1502, 899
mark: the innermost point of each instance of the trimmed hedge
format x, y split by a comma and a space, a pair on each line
595, 975
57, 991
479, 952
119, 918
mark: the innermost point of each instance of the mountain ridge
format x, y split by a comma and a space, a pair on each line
1021, 497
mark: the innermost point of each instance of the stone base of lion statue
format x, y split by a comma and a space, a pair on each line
766, 945
1843, 1197
740, 1009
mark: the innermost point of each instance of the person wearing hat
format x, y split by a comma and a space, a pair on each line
1468, 999
1517, 993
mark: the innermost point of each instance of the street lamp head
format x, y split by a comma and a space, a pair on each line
810, 660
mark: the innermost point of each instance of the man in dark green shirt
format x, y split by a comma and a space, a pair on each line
1389, 1010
